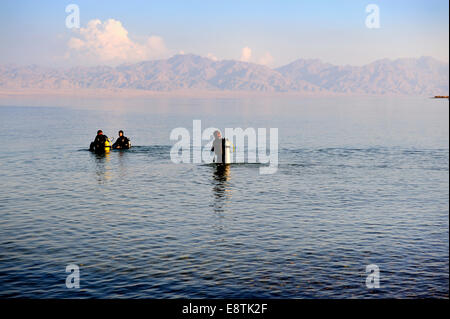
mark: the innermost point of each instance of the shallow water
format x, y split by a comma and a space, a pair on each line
360, 181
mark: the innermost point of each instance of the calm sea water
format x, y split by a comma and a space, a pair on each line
360, 181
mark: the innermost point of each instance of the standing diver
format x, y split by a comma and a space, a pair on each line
221, 148
122, 142
100, 144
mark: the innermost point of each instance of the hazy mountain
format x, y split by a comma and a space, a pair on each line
422, 76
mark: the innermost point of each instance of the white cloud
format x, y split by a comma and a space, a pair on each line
211, 56
108, 42
266, 59
246, 54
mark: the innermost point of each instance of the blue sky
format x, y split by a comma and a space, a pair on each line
275, 32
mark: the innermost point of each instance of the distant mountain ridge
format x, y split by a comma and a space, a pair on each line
407, 76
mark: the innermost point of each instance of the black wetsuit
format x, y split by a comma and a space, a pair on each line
122, 142
98, 145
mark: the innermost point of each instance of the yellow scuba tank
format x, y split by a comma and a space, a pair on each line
107, 145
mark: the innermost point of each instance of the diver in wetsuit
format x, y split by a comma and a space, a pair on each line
221, 148
217, 145
122, 142
98, 145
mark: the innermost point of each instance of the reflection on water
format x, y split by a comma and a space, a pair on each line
102, 168
122, 162
221, 187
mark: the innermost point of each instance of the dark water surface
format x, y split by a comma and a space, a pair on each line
360, 181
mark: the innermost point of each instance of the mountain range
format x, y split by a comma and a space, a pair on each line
405, 76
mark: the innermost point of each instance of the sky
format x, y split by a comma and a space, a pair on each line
272, 33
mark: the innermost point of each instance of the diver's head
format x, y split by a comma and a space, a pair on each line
120, 133
217, 134
99, 132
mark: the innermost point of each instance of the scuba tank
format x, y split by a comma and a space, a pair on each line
107, 145
225, 157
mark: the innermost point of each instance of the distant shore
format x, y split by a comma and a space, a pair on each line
135, 93
189, 93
